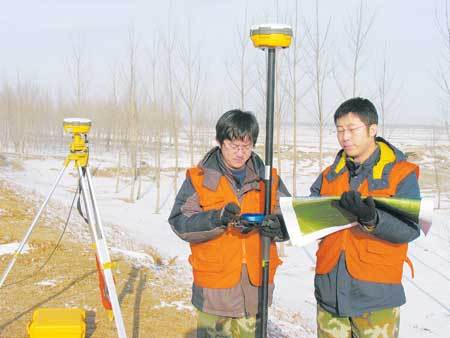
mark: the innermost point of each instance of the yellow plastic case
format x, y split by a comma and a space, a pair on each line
58, 323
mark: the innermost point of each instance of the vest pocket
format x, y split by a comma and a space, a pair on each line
207, 256
382, 253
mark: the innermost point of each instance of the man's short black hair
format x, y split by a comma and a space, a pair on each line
365, 110
237, 124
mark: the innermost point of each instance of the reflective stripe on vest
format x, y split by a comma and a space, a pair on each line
217, 263
367, 257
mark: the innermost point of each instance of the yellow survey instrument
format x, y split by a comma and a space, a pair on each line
271, 36
79, 151
46, 322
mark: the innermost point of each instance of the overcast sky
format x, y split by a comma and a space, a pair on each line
37, 36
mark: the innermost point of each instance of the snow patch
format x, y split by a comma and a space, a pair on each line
141, 258
178, 304
10, 248
47, 282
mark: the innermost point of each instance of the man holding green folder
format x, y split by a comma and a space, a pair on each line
359, 270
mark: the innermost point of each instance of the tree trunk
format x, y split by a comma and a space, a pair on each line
118, 171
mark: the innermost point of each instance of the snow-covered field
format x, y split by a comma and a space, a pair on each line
426, 314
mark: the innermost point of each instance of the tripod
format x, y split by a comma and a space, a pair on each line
79, 154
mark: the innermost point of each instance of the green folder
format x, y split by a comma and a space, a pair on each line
311, 218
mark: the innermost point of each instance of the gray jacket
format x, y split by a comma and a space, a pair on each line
194, 225
337, 291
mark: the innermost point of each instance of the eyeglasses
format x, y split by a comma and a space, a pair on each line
235, 147
340, 130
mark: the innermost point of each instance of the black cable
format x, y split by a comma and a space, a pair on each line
55, 247
63, 232
80, 210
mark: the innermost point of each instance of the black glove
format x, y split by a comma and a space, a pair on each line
271, 227
245, 227
364, 210
229, 213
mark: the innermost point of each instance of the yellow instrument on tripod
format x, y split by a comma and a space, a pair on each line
79, 154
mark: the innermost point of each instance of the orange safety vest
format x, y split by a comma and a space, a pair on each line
367, 257
217, 263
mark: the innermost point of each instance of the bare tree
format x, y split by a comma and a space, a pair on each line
240, 78
443, 24
293, 89
112, 121
157, 120
357, 28
294, 82
115, 121
279, 107
387, 94
79, 72
357, 32
189, 85
442, 19
7, 113
169, 43
319, 73
24, 120
132, 109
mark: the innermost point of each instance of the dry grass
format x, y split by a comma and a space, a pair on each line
72, 271
172, 260
157, 258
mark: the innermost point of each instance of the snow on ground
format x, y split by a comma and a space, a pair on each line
47, 282
141, 258
10, 248
129, 225
178, 305
136, 220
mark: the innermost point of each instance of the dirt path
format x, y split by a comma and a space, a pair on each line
152, 300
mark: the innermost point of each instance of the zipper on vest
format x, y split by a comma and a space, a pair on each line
243, 247
344, 241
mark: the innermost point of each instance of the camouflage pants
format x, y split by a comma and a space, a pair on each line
377, 324
213, 326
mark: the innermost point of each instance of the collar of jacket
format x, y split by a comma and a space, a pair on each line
381, 166
214, 168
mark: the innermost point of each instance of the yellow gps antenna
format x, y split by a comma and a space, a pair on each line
79, 151
271, 36
268, 37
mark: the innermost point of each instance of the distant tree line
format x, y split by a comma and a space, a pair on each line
159, 103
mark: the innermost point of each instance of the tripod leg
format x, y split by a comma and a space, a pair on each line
94, 204
30, 229
101, 246
87, 205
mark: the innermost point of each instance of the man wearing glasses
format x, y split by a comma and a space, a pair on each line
359, 270
226, 251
